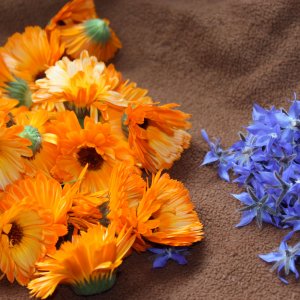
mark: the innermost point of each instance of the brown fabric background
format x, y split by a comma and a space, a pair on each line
216, 58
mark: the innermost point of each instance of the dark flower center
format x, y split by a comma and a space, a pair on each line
60, 23
11, 122
89, 155
145, 124
40, 75
15, 234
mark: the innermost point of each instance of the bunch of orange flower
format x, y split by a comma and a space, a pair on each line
74, 139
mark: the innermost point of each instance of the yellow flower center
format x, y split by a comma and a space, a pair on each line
89, 155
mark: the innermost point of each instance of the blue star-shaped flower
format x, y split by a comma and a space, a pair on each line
258, 205
217, 154
284, 258
164, 254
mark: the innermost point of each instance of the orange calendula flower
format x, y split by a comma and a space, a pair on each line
26, 236
88, 264
12, 150
126, 190
156, 134
43, 143
94, 144
84, 85
72, 13
43, 192
31, 53
94, 35
166, 214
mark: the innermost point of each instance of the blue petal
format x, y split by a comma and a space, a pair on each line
280, 277
223, 173
294, 269
247, 217
271, 257
205, 136
156, 250
180, 259
210, 157
160, 261
288, 236
243, 197
267, 218
283, 246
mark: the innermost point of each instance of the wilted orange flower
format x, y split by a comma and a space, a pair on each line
94, 35
12, 150
94, 144
72, 13
84, 85
26, 235
166, 214
88, 264
28, 55
156, 134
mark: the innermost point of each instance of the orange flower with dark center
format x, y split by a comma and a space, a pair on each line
94, 144
26, 236
156, 134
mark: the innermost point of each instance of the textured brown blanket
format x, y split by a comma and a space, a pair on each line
216, 58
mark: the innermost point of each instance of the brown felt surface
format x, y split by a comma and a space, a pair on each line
216, 58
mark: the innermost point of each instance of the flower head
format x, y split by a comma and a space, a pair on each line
45, 193
83, 85
285, 258
26, 236
94, 144
217, 154
156, 134
170, 253
88, 264
166, 214
31, 53
94, 35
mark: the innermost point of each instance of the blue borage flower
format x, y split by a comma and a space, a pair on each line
284, 258
266, 163
217, 154
170, 253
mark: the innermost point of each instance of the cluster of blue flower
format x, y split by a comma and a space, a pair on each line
266, 162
